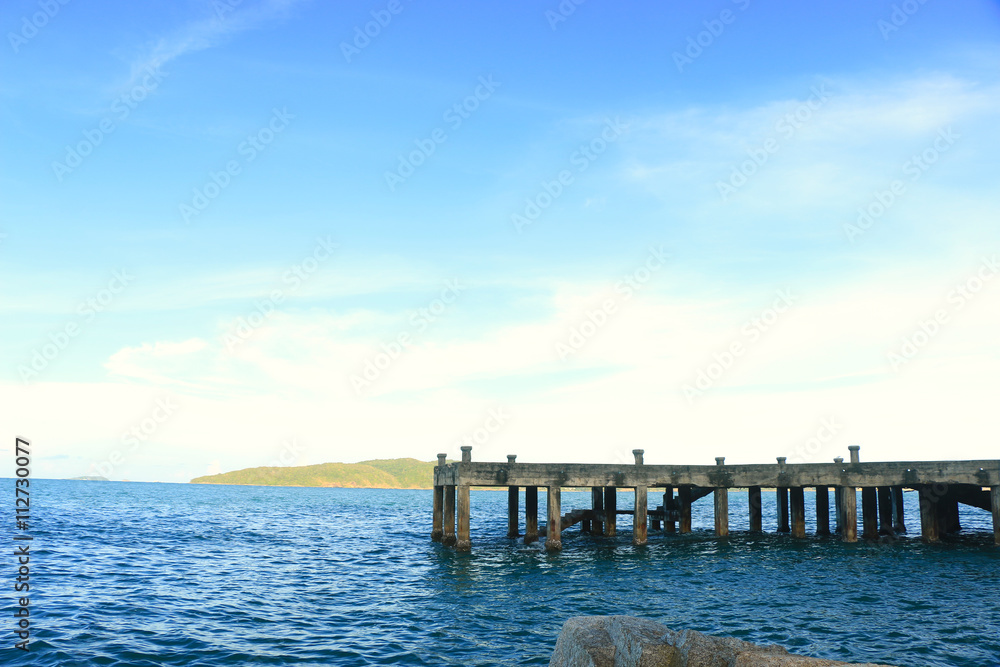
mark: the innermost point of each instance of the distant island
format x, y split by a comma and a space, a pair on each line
90, 478
376, 474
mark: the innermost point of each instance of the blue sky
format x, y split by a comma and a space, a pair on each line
885, 107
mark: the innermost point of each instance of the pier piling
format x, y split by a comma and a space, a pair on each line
798, 502
513, 497
721, 504
756, 518
684, 505
885, 514
898, 519
463, 543
869, 513
995, 504
448, 537
849, 514
610, 511
639, 516
553, 527
838, 503
930, 515
597, 505
783, 525
530, 514
669, 525
822, 510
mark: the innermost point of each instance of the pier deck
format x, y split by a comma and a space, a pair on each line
942, 486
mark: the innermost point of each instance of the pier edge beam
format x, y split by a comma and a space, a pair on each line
553, 526
930, 529
798, 502
448, 537
597, 506
885, 510
783, 526
869, 513
995, 503
640, 516
530, 514
849, 513
436, 531
822, 510
669, 525
756, 513
684, 502
464, 541
610, 511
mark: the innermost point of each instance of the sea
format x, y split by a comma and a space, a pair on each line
144, 574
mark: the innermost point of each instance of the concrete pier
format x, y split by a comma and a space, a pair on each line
942, 487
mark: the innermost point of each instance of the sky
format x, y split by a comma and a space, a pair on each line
279, 232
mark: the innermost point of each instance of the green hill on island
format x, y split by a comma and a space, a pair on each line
377, 474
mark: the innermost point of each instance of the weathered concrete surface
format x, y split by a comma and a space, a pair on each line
626, 641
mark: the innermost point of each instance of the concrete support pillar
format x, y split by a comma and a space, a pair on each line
597, 505
885, 510
898, 518
553, 528
437, 532
448, 537
684, 506
640, 516
849, 514
756, 518
838, 503
869, 513
822, 510
949, 512
464, 542
610, 509
783, 525
513, 500
995, 503
654, 521
530, 514
930, 528
798, 503
669, 525
721, 512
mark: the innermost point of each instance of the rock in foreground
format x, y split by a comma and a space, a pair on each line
626, 641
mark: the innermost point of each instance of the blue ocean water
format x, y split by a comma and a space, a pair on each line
171, 574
